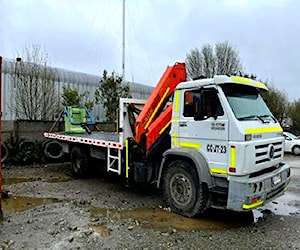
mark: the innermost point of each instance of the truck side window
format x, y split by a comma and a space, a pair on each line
188, 109
207, 104
211, 104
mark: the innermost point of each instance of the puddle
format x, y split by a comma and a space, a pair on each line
17, 204
288, 204
59, 179
164, 220
100, 229
16, 180
50, 179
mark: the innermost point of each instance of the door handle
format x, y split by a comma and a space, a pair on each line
182, 124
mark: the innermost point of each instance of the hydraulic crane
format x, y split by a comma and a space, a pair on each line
155, 117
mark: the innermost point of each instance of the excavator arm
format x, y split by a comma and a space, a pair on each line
155, 116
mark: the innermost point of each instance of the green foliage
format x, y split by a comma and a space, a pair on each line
277, 102
21, 153
294, 115
109, 93
73, 97
207, 62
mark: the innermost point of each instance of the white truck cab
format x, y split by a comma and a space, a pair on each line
224, 129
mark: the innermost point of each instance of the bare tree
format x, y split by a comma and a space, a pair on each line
227, 59
34, 87
194, 62
209, 63
224, 59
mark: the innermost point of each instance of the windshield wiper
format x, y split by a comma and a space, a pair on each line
249, 117
255, 117
272, 117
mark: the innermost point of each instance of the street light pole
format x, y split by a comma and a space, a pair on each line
123, 41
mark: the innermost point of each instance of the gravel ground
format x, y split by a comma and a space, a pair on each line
48, 209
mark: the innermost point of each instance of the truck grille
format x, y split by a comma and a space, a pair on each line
268, 152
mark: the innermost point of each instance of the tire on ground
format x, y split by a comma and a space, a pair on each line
80, 161
183, 192
53, 150
26, 145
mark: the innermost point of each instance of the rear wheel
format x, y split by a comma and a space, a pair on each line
296, 150
80, 162
183, 192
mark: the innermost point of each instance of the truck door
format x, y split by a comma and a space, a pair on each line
203, 124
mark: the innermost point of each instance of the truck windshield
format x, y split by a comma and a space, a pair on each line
247, 103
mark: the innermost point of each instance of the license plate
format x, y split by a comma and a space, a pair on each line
276, 179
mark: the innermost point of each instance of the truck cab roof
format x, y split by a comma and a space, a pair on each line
221, 79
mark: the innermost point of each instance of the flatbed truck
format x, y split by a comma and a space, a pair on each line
207, 143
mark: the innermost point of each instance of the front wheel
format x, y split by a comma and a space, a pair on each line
80, 162
296, 150
183, 191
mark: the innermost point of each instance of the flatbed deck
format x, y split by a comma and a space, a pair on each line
100, 139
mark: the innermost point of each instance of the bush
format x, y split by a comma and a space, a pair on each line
21, 151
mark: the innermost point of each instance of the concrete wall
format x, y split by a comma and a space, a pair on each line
33, 130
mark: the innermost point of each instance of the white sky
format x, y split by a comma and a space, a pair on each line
86, 35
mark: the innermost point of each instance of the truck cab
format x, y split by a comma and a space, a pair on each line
223, 130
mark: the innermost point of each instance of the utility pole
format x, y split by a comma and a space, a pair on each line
123, 42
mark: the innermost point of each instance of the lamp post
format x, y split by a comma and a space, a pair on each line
17, 77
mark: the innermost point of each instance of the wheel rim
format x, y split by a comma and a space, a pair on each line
297, 150
76, 165
181, 189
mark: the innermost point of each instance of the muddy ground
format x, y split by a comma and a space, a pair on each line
49, 209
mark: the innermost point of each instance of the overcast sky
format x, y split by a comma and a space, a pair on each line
86, 35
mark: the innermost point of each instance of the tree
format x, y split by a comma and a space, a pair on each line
194, 63
73, 97
35, 95
228, 61
109, 93
294, 115
277, 102
224, 59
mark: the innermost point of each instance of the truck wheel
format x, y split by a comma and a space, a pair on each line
296, 150
80, 161
182, 190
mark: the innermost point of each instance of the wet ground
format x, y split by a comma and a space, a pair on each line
60, 212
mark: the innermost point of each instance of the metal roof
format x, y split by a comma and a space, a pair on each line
68, 76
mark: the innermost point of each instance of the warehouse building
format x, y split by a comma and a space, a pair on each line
63, 78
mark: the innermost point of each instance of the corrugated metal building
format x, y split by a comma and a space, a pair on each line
63, 78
